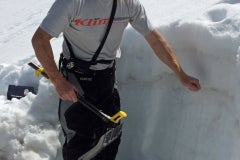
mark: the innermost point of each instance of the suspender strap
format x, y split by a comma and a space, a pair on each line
69, 47
114, 6
94, 58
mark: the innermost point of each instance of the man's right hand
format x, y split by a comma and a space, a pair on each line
65, 89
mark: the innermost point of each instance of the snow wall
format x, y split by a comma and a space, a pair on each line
168, 122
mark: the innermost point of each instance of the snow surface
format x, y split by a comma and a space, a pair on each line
165, 120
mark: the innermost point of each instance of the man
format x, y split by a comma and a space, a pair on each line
83, 24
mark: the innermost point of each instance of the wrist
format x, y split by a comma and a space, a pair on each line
180, 74
56, 78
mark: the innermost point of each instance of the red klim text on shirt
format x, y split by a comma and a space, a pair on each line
91, 21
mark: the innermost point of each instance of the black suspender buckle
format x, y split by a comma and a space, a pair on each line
70, 65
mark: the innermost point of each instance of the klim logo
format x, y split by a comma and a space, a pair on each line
91, 22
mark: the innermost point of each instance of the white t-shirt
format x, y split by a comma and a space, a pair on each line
84, 23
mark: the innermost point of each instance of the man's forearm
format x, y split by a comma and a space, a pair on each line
44, 53
163, 51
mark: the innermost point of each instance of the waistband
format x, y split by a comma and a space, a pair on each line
81, 66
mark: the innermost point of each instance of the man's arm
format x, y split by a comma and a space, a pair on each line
44, 53
165, 53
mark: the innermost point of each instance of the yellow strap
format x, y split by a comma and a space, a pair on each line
39, 71
118, 116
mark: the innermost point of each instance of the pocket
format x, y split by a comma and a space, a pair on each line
78, 118
117, 103
112, 104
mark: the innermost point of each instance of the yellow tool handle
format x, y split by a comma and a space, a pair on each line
39, 71
118, 116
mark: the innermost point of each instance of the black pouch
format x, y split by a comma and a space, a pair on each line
18, 91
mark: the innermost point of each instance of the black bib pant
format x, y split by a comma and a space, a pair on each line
82, 129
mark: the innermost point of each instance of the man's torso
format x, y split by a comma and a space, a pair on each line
84, 23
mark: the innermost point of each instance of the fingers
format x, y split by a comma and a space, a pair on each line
67, 91
69, 96
191, 83
194, 85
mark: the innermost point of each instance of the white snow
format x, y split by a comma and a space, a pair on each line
165, 120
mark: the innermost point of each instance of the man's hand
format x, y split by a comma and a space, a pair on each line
191, 83
65, 90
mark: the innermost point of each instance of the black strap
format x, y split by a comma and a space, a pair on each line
114, 6
69, 47
94, 58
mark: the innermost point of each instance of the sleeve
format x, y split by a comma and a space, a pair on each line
139, 19
58, 17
